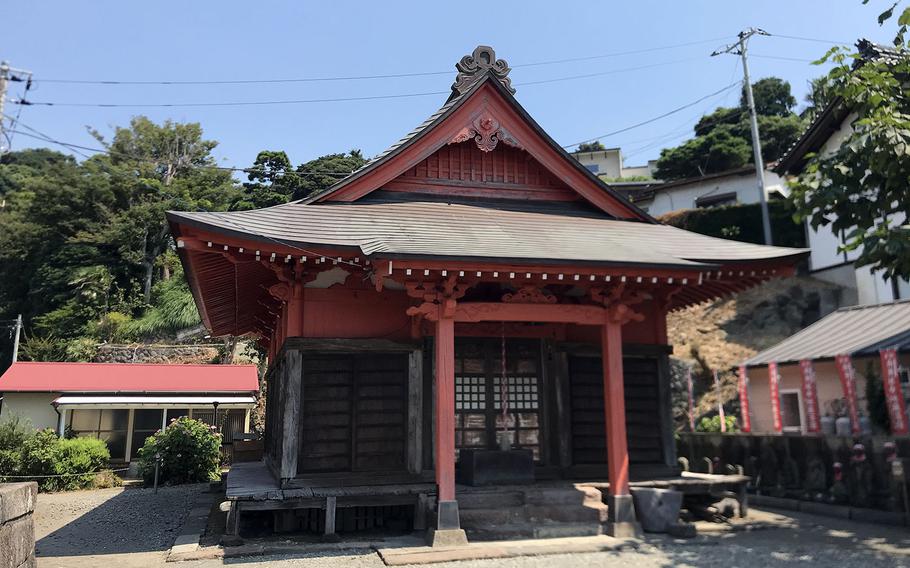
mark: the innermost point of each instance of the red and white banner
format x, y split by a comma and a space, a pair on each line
894, 396
810, 397
774, 387
691, 400
743, 386
720, 404
848, 382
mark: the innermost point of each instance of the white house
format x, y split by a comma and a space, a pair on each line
825, 135
739, 186
608, 163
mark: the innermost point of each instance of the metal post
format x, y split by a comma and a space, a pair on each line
4, 81
19, 317
157, 464
739, 48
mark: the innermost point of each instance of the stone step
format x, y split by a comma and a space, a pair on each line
489, 499
568, 496
529, 530
593, 513
596, 513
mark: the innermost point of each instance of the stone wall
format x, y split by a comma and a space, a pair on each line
827, 469
159, 354
17, 528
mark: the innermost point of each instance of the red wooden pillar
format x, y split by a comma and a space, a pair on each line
294, 315
621, 514
447, 509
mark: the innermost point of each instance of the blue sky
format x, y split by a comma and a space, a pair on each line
208, 40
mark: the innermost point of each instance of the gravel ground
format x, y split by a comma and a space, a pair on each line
100, 523
133, 528
816, 541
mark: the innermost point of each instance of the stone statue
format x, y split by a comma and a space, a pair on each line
838, 493
861, 480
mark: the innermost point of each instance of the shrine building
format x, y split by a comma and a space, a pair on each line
471, 307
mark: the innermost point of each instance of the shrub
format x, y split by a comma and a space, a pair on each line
43, 453
712, 424
190, 452
13, 434
79, 455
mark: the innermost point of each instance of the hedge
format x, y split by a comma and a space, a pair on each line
741, 223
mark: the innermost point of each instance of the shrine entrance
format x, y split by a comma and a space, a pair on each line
479, 393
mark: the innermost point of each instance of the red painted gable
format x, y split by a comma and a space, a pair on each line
490, 122
26, 376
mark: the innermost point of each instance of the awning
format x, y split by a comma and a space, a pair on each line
155, 401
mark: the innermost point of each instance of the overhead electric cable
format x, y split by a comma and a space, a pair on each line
336, 99
368, 77
656, 118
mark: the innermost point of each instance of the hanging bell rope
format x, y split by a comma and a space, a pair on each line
503, 383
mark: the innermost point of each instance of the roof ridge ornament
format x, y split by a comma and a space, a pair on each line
473, 67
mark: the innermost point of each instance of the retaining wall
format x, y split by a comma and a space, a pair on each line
17, 528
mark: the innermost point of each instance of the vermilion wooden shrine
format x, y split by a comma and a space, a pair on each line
472, 279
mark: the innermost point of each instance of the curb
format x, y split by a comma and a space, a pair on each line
187, 542
871, 516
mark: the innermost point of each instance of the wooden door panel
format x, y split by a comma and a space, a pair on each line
640, 382
354, 412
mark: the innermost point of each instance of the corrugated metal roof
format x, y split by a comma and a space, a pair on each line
480, 231
848, 330
29, 376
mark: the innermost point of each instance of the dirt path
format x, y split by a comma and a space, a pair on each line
110, 527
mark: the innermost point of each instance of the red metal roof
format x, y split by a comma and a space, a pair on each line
26, 376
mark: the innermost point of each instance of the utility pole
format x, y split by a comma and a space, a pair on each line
16, 338
8, 74
739, 48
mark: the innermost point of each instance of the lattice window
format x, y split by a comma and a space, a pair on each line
522, 393
470, 393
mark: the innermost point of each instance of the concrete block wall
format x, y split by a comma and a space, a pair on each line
17, 528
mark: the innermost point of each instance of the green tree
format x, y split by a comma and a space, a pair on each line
772, 97
860, 189
595, 146
719, 150
723, 138
273, 181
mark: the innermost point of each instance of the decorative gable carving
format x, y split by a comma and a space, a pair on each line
486, 132
473, 67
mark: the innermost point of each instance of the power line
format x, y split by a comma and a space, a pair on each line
811, 39
370, 77
781, 57
656, 118
114, 153
337, 99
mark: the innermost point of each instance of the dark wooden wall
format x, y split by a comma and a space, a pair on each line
578, 378
354, 412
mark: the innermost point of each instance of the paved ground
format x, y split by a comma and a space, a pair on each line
99, 529
129, 527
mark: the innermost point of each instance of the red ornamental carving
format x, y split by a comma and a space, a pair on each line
743, 386
486, 132
810, 396
848, 382
894, 396
774, 385
530, 295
